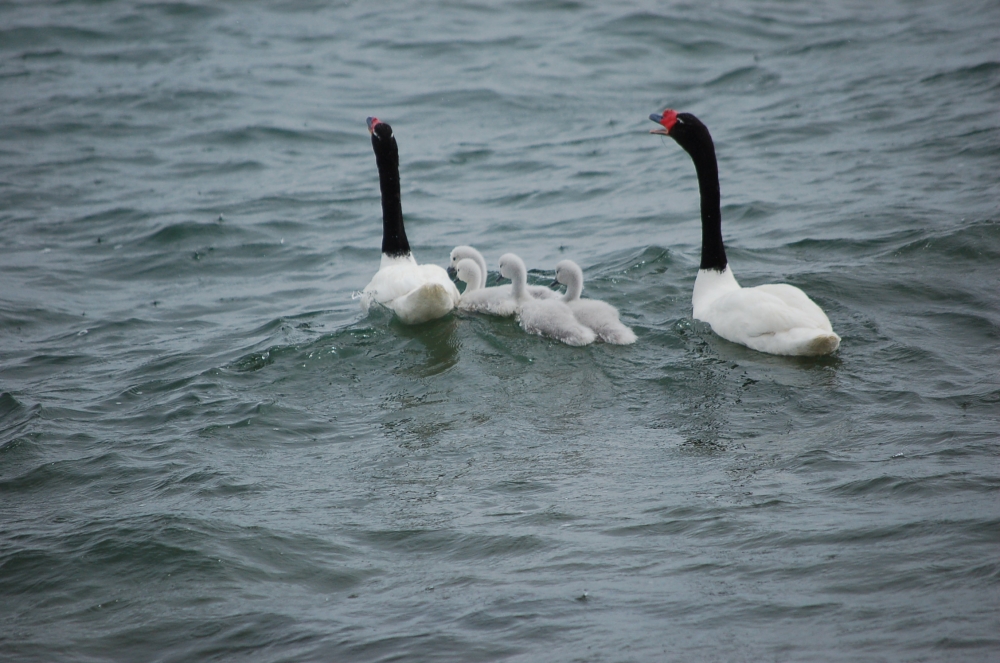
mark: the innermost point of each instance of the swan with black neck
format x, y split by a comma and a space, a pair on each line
415, 293
775, 318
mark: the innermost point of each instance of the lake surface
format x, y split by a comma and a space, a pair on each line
207, 452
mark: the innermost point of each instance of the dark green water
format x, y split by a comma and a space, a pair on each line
208, 453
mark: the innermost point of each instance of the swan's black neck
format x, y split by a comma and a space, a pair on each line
713, 253
693, 136
394, 243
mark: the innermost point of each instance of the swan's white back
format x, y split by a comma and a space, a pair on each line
774, 318
415, 293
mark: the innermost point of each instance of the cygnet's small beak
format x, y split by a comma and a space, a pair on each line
452, 273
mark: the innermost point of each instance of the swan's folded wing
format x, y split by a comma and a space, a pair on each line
799, 301
393, 281
752, 312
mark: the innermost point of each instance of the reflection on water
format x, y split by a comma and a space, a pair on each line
437, 339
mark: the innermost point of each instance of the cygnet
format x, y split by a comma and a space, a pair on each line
599, 316
467, 252
493, 301
547, 317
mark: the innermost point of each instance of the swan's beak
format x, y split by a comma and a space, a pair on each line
667, 120
555, 283
452, 272
655, 118
372, 121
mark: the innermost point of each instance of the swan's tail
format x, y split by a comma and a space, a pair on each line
822, 344
810, 342
796, 342
428, 302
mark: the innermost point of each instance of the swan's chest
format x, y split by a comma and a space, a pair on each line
709, 287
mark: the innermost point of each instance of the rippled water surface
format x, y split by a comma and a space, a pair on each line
208, 453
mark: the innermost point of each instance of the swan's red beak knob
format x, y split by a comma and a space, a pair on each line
372, 121
668, 119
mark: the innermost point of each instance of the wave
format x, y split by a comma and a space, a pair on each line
35, 36
265, 134
15, 421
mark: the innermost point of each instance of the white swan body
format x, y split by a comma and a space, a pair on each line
600, 317
467, 252
415, 293
775, 318
546, 317
493, 301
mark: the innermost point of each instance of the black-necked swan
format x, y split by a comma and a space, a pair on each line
775, 318
415, 293
493, 301
462, 252
547, 317
600, 317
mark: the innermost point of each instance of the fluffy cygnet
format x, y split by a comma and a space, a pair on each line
467, 252
493, 301
547, 317
599, 316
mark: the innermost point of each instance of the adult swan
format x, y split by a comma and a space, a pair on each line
415, 293
776, 318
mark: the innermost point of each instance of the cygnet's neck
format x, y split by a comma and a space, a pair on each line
572, 278
469, 272
519, 285
518, 275
468, 252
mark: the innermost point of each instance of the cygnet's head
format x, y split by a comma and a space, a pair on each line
469, 273
461, 253
511, 266
568, 272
